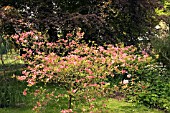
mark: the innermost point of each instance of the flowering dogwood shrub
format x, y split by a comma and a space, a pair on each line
81, 69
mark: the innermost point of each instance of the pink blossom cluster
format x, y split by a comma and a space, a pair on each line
67, 111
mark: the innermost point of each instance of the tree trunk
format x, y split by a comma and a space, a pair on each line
70, 101
3, 64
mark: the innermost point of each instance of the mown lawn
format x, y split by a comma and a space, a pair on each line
112, 106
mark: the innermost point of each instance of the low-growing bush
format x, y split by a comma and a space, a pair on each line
152, 90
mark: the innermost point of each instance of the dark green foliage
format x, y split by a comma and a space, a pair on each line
152, 90
10, 88
11, 92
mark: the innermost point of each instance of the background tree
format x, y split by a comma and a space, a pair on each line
161, 38
103, 21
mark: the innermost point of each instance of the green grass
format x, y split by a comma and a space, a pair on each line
16, 110
113, 106
11, 58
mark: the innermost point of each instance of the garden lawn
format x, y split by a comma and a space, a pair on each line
112, 106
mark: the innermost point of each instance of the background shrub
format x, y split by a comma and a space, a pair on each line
152, 90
